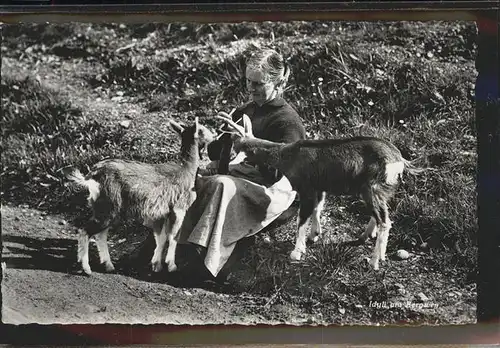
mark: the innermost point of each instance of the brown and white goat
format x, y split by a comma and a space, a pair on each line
159, 194
365, 166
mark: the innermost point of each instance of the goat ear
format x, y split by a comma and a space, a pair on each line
176, 126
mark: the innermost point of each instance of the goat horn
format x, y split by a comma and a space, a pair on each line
227, 118
196, 127
233, 124
177, 125
227, 115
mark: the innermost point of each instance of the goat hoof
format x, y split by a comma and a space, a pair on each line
172, 267
87, 270
295, 255
359, 241
374, 264
314, 239
108, 266
156, 267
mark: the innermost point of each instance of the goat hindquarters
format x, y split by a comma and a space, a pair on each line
376, 196
104, 213
99, 229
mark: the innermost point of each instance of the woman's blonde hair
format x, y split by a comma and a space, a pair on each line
272, 64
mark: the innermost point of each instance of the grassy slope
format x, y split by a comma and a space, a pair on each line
409, 82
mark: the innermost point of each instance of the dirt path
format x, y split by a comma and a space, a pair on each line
40, 285
43, 284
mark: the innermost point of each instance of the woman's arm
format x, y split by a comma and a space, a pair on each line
287, 127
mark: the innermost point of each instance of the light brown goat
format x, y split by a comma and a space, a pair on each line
159, 194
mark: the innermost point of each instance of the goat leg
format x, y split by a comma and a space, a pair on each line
370, 232
172, 239
305, 212
385, 235
102, 248
383, 225
83, 251
160, 235
380, 245
316, 218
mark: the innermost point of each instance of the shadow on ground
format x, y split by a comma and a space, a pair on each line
50, 254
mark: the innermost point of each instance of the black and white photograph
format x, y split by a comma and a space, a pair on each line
295, 172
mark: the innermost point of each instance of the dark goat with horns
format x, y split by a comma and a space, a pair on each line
366, 166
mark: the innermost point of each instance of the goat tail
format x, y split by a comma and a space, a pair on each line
77, 177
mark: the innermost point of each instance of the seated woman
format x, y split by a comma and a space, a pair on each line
244, 199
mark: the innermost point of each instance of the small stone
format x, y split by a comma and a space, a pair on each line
421, 297
400, 288
125, 124
424, 246
311, 320
63, 223
402, 254
93, 309
342, 310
